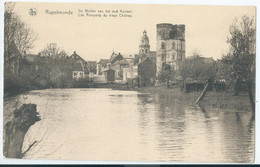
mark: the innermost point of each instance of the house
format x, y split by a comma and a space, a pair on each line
78, 72
80, 68
109, 75
105, 64
142, 72
146, 72
92, 67
116, 57
118, 68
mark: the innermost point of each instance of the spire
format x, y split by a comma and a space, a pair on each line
144, 47
145, 33
113, 53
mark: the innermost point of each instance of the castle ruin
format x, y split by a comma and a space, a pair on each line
170, 46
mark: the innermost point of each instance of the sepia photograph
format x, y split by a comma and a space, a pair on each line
129, 82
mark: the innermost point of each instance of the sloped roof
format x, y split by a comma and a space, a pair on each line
121, 62
116, 57
81, 66
92, 66
77, 57
147, 58
136, 61
104, 61
93, 63
138, 57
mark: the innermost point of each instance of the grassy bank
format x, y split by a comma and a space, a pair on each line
224, 100
115, 86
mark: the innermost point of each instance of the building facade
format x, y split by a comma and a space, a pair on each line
170, 45
80, 68
140, 71
106, 64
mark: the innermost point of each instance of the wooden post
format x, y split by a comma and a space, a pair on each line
202, 93
15, 130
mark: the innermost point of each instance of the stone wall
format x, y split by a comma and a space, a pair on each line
170, 45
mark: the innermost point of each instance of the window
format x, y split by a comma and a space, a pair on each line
179, 46
173, 45
173, 56
162, 45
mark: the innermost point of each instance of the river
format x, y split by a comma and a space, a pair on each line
104, 124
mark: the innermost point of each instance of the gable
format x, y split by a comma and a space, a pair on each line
116, 58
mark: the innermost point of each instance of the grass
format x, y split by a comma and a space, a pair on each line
224, 100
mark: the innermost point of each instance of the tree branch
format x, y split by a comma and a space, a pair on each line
28, 149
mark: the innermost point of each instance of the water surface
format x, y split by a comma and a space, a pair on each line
104, 124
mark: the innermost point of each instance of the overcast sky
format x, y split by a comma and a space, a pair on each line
94, 38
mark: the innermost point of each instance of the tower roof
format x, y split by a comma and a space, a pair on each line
144, 39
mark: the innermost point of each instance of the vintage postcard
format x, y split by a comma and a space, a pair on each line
129, 82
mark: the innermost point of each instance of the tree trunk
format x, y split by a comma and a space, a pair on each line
202, 93
184, 85
236, 87
15, 130
250, 94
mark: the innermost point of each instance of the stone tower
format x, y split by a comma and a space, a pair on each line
170, 45
144, 47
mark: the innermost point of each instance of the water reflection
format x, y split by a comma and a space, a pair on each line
103, 124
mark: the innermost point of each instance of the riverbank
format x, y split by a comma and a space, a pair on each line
22, 90
224, 100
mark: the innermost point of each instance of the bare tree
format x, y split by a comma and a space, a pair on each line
241, 55
17, 31
53, 51
59, 65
